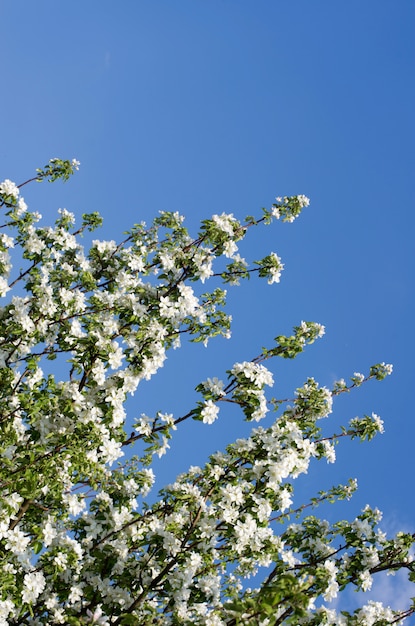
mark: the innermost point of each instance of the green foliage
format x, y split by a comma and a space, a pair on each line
79, 543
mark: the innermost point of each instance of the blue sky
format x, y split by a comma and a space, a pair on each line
204, 107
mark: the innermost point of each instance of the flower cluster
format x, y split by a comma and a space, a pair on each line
79, 545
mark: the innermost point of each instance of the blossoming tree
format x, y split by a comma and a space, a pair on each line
78, 543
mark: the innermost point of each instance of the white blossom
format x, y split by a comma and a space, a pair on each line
8, 188
69, 522
209, 412
33, 585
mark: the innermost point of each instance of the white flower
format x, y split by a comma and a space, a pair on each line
33, 585
232, 494
214, 385
209, 412
8, 188
378, 422
144, 425
75, 594
74, 503
374, 612
21, 206
6, 607
359, 377
49, 532
6, 241
111, 450
226, 222
168, 419
4, 286
370, 557
17, 541
332, 586
166, 261
230, 248
285, 500
365, 580
329, 451
203, 259
104, 246
362, 528
303, 200
97, 617
262, 409
255, 372
116, 357
61, 560
34, 244
161, 451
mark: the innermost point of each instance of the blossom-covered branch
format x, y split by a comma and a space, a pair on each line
80, 329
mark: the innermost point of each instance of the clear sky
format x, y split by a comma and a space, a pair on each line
203, 107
